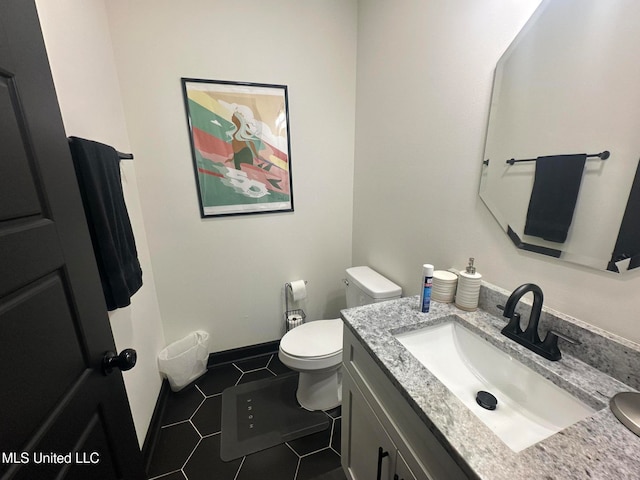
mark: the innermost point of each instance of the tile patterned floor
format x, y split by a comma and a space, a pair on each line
188, 446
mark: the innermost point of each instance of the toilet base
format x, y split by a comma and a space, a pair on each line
320, 390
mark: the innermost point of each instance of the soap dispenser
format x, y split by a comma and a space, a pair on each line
468, 291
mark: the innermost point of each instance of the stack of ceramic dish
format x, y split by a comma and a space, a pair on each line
444, 286
468, 291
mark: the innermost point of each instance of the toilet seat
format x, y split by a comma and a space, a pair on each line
318, 339
314, 345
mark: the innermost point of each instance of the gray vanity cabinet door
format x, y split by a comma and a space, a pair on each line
403, 472
369, 453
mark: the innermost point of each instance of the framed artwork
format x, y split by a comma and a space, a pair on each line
240, 146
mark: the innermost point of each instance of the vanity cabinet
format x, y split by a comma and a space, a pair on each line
372, 452
382, 437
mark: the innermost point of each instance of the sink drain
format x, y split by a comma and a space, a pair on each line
486, 400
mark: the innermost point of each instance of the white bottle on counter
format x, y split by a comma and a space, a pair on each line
468, 291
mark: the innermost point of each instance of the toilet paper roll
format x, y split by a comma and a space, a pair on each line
294, 321
298, 290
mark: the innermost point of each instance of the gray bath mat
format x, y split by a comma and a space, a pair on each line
258, 415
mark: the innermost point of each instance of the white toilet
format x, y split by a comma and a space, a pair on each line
315, 348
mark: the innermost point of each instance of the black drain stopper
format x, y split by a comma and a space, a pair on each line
486, 400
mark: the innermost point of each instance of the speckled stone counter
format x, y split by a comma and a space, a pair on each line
599, 447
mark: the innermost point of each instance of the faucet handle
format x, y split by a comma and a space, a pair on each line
550, 343
514, 325
514, 322
569, 339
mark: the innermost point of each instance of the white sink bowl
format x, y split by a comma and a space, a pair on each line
530, 408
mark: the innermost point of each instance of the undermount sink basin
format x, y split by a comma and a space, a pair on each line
529, 408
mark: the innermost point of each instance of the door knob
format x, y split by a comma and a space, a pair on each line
125, 361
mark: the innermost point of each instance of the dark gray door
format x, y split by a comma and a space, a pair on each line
60, 416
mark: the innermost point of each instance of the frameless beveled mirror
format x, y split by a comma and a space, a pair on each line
570, 84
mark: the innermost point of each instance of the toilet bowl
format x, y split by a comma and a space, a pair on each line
314, 349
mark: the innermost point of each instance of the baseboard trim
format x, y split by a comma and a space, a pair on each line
242, 353
151, 439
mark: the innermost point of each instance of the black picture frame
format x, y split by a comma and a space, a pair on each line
240, 146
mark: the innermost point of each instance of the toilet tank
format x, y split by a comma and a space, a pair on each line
365, 286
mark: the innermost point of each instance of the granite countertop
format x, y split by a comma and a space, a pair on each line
599, 447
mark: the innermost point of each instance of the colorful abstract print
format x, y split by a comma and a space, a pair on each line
240, 144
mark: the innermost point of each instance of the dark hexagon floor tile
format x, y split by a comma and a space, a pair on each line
181, 405
257, 375
205, 463
277, 462
277, 367
317, 464
172, 476
173, 446
253, 363
336, 442
218, 378
334, 412
208, 418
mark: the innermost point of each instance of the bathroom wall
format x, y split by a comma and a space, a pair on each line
78, 44
227, 275
425, 71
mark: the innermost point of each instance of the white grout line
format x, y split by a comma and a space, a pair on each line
295, 475
191, 454
239, 468
198, 408
200, 390
166, 474
333, 426
291, 448
237, 367
173, 424
316, 451
213, 395
269, 362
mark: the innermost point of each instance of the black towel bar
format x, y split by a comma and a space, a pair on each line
602, 156
121, 156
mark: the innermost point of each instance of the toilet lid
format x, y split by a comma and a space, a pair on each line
319, 338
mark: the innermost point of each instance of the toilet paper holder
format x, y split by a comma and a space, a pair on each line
293, 312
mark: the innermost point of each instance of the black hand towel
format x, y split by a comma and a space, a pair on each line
554, 195
98, 171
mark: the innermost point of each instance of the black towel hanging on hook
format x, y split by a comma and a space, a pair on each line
98, 172
554, 196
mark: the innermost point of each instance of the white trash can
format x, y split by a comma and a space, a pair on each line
185, 360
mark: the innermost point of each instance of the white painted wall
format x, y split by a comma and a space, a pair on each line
79, 48
227, 275
425, 71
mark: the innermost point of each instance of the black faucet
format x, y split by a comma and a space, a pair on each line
529, 338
